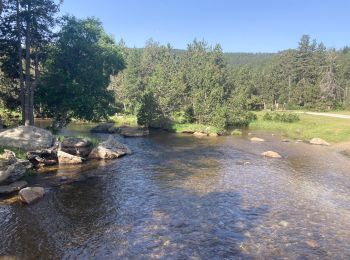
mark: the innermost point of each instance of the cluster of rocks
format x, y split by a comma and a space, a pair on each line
42, 150
126, 131
12, 171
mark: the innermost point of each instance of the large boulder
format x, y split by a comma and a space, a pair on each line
44, 157
109, 149
318, 141
128, 131
76, 146
104, 128
13, 172
66, 158
13, 187
26, 138
31, 194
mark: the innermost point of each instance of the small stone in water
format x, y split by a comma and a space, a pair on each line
284, 223
64, 178
311, 243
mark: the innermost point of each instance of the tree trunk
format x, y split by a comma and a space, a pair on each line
33, 87
20, 65
27, 73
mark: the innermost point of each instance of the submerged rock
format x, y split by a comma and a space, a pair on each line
66, 158
318, 141
257, 139
271, 154
109, 149
76, 146
13, 187
26, 138
31, 194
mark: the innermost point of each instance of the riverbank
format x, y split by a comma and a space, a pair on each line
334, 130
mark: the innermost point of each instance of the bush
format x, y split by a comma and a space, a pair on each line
240, 118
281, 117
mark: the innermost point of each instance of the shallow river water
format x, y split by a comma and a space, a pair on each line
181, 197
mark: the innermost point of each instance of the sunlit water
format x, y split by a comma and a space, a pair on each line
181, 197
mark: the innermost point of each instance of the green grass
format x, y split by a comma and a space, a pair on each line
179, 128
330, 129
129, 120
21, 154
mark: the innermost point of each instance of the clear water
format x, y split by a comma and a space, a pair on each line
180, 197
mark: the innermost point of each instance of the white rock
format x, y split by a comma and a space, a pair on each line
318, 141
271, 154
256, 139
66, 158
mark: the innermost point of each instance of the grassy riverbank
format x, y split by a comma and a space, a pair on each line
330, 129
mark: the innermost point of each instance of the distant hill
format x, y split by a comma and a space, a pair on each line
253, 59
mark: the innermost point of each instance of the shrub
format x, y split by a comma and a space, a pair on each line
281, 117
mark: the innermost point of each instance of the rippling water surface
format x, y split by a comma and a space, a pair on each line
182, 197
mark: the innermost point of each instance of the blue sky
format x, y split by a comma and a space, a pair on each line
238, 25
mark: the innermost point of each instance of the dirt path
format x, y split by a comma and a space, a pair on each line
328, 115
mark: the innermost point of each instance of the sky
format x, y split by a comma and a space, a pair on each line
238, 25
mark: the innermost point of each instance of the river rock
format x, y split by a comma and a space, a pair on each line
271, 154
200, 134
104, 128
13, 187
31, 194
318, 141
76, 146
257, 139
44, 157
109, 149
26, 138
12, 172
128, 131
66, 158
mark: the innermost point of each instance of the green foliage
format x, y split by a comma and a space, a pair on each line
148, 112
21, 154
281, 117
9, 118
236, 132
78, 73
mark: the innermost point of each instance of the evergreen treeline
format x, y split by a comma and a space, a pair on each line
80, 72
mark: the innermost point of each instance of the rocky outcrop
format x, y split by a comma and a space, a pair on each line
66, 158
31, 194
271, 154
26, 138
13, 187
128, 131
8, 156
104, 128
318, 141
76, 146
109, 149
257, 139
44, 157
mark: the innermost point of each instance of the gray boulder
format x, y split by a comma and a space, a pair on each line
44, 157
13, 187
12, 172
109, 149
104, 128
76, 146
66, 158
128, 131
27, 138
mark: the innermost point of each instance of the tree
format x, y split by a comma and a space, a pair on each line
78, 70
26, 23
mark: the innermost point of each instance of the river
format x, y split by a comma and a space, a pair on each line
180, 197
